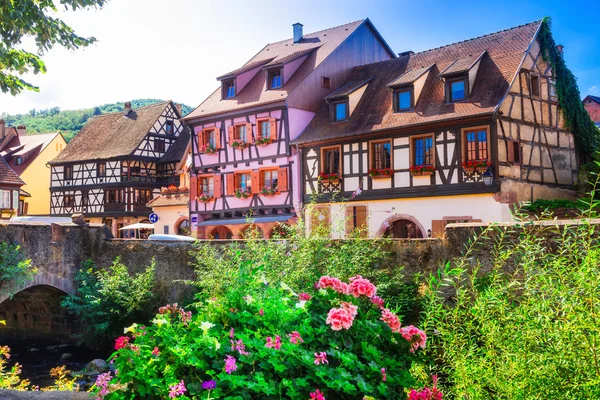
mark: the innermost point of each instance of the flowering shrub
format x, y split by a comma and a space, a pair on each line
329, 177
238, 144
262, 141
268, 191
10, 379
419, 169
204, 198
266, 341
383, 172
242, 193
477, 164
207, 149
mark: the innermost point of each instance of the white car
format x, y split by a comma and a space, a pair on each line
175, 238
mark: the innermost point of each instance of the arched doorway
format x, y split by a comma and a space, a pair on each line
184, 227
252, 232
402, 227
221, 232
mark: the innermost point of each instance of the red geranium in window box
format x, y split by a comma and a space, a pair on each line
422, 169
473, 165
238, 144
242, 193
335, 176
207, 149
204, 198
381, 173
268, 191
263, 141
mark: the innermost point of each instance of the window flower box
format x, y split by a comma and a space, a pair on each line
381, 173
164, 189
239, 144
263, 141
207, 149
476, 165
204, 198
418, 170
329, 178
173, 188
242, 193
268, 191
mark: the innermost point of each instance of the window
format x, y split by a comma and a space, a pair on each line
514, 151
4, 199
534, 81
241, 133
356, 218
69, 200
243, 181
331, 160
114, 196
458, 90
210, 137
403, 100
19, 161
423, 153
142, 196
553, 88
85, 198
264, 127
381, 155
166, 229
229, 89
68, 172
207, 186
325, 82
476, 144
159, 145
169, 127
101, 169
275, 80
269, 178
340, 111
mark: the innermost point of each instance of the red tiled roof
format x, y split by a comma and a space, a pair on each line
318, 45
410, 76
166, 200
348, 88
7, 175
505, 51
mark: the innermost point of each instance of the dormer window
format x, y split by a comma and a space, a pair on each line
275, 79
19, 161
457, 89
403, 99
340, 111
229, 89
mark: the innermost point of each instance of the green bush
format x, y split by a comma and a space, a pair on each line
109, 299
521, 322
264, 340
15, 270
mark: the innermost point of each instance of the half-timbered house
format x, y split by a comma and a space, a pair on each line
456, 133
10, 186
592, 105
116, 164
243, 164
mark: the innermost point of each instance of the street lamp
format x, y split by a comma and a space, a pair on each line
488, 176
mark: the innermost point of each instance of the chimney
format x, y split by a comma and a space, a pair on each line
21, 129
179, 108
2, 127
297, 32
561, 50
127, 108
406, 53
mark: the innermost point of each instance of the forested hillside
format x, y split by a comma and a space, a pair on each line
69, 122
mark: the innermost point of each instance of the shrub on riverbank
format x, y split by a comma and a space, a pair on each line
265, 340
15, 270
108, 299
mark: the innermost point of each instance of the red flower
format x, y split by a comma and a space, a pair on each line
121, 342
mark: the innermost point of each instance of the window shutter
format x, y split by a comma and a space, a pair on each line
437, 228
249, 132
349, 220
200, 139
321, 224
361, 219
255, 177
511, 151
282, 180
217, 138
273, 123
230, 184
193, 188
217, 182
230, 134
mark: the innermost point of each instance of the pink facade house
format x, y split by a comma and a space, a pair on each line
245, 171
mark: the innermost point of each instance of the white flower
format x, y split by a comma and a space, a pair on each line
159, 321
205, 326
248, 299
301, 304
130, 328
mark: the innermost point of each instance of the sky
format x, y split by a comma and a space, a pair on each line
175, 49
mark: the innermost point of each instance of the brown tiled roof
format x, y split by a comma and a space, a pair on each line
175, 152
505, 51
28, 147
111, 135
289, 57
462, 64
348, 88
166, 200
255, 93
7, 175
409, 76
246, 67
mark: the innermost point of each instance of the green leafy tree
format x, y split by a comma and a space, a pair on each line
31, 18
15, 270
109, 299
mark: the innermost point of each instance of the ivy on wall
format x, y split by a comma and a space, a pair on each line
577, 119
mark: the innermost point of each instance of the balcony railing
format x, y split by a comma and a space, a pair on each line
114, 207
330, 186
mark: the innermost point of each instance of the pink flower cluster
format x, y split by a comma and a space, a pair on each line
378, 301
174, 310
102, 382
415, 336
273, 344
334, 283
317, 395
361, 287
427, 393
230, 365
295, 338
121, 342
391, 319
343, 317
304, 297
156, 352
321, 358
177, 390
239, 346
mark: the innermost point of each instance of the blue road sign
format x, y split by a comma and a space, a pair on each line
153, 218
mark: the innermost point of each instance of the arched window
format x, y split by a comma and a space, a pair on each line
184, 228
221, 232
403, 229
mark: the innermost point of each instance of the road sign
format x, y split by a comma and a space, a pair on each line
153, 218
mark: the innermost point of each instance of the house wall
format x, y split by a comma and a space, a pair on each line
171, 217
37, 178
535, 123
593, 108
